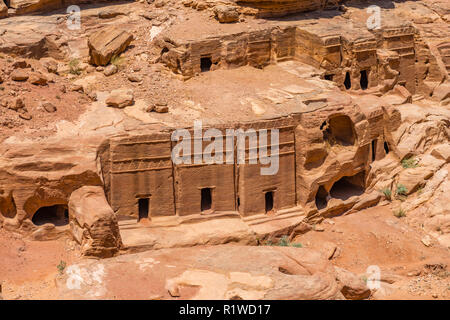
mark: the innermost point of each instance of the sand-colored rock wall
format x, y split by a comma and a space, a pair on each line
374, 60
142, 168
278, 8
315, 150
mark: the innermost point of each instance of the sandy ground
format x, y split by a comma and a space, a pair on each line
376, 237
28, 268
369, 237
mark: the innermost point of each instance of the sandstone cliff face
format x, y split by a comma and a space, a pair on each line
35, 176
264, 8
340, 148
366, 61
419, 163
27, 6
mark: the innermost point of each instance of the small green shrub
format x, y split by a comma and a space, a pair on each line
74, 67
61, 267
420, 190
117, 61
284, 242
401, 190
400, 213
410, 163
387, 193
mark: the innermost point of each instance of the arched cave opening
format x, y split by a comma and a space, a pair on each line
347, 187
339, 130
321, 198
269, 201
364, 79
205, 64
347, 81
57, 214
8, 3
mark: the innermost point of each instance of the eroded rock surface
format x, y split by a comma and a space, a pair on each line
219, 272
93, 223
107, 43
87, 117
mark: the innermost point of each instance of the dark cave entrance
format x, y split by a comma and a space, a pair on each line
206, 201
8, 3
329, 77
374, 150
339, 130
364, 79
164, 50
57, 214
347, 81
347, 187
205, 64
269, 201
386, 147
321, 198
144, 208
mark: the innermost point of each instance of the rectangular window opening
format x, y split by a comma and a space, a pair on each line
269, 201
374, 150
386, 147
364, 80
144, 207
206, 201
347, 81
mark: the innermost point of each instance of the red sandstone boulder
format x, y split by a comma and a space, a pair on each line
351, 286
19, 75
413, 178
442, 92
93, 223
38, 79
120, 98
442, 152
226, 14
50, 64
107, 43
110, 70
